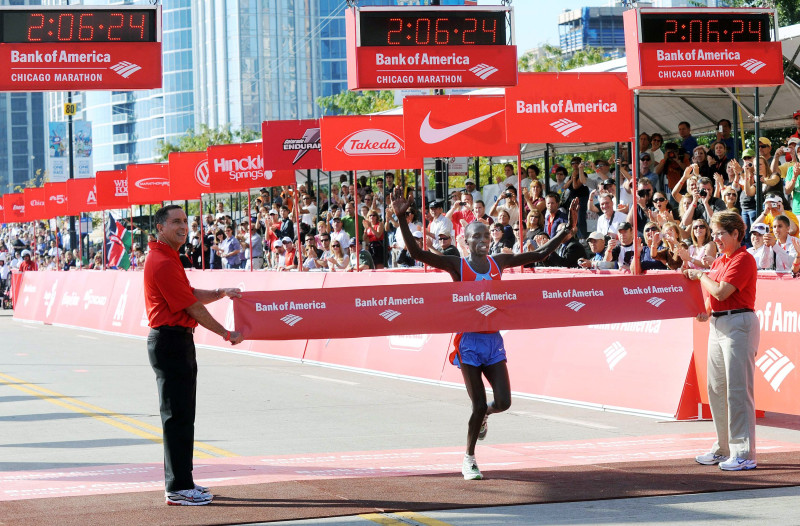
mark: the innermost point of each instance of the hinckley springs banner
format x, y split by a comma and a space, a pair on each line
354, 312
569, 107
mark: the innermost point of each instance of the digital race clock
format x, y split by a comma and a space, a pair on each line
77, 25
426, 28
704, 27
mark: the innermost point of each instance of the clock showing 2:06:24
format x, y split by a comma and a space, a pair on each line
705, 28
77, 25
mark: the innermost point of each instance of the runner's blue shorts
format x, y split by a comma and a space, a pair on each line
478, 349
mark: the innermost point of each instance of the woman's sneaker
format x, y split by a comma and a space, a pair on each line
737, 464
710, 459
188, 497
484, 428
469, 468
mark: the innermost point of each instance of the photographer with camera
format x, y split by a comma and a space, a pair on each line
575, 188
461, 212
703, 204
670, 167
507, 202
644, 204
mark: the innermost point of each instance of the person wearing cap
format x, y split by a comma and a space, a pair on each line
796, 118
460, 213
646, 170
620, 250
338, 234
365, 259
448, 248
597, 242
773, 207
785, 247
792, 189
762, 252
469, 187
730, 290
27, 262
440, 224
479, 355
765, 148
785, 156
284, 255
688, 142
404, 259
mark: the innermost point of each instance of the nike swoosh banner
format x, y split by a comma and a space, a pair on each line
291, 145
148, 183
369, 142
568, 108
477, 306
456, 125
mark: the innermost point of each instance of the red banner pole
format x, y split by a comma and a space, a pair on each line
422, 212
296, 215
80, 238
250, 229
520, 199
104, 239
58, 230
202, 237
635, 269
357, 216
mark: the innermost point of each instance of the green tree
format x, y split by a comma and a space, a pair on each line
196, 141
555, 60
357, 103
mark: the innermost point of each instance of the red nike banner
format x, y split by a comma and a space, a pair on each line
112, 189
35, 200
456, 125
56, 199
82, 196
368, 142
480, 306
240, 167
14, 208
291, 145
148, 184
188, 175
569, 107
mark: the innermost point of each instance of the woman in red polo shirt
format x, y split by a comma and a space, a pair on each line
732, 345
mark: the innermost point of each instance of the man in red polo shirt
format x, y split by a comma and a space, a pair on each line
732, 345
174, 309
27, 263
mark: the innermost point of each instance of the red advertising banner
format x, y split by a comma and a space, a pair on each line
188, 175
456, 125
569, 107
148, 184
112, 189
14, 208
82, 196
481, 306
60, 66
239, 167
291, 145
2, 211
56, 199
368, 142
35, 200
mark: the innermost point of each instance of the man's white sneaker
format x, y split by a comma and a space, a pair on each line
469, 468
484, 428
202, 489
188, 497
709, 459
737, 464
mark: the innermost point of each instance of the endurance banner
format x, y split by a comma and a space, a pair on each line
452, 307
291, 145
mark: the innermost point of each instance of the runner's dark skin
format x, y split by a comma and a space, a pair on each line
478, 239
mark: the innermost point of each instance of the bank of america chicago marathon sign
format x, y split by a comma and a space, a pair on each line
481, 306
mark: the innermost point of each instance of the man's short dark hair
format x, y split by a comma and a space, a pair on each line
561, 169
481, 202
783, 219
685, 124
508, 165
284, 207
705, 181
534, 168
163, 214
553, 195
719, 123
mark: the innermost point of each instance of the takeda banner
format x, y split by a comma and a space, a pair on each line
364, 143
456, 125
291, 145
239, 167
82, 196
148, 184
569, 107
35, 200
56, 199
482, 306
14, 208
188, 175
112, 189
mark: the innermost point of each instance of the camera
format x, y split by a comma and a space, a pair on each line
749, 164
643, 192
703, 192
508, 194
461, 203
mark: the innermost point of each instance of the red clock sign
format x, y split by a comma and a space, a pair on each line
702, 48
51, 48
430, 47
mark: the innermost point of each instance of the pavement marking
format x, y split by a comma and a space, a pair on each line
562, 420
125, 423
326, 379
422, 519
87, 337
402, 518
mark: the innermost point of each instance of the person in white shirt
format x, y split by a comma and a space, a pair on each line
469, 184
340, 236
439, 225
308, 211
609, 220
785, 247
761, 251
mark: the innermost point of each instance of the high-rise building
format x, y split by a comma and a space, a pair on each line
596, 27
23, 138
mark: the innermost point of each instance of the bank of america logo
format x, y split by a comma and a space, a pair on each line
655, 301
775, 366
575, 305
291, 319
614, 354
483, 71
565, 126
389, 314
486, 310
126, 69
752, 65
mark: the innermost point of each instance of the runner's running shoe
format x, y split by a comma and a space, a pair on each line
737, 464
484, 428
188, 497
202, 489
709, 459
469, 468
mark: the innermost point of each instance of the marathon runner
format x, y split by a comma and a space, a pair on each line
479, 353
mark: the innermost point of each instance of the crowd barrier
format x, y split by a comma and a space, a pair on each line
644, 367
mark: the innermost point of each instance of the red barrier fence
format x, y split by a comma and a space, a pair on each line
644, 366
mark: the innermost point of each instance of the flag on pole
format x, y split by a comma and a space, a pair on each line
118, 244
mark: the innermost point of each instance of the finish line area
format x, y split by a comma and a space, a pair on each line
281, 440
